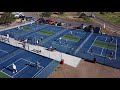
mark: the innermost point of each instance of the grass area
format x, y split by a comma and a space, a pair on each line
105, 45
72, 38
86, 19
26, 28
111, 17
2, 75
47, 33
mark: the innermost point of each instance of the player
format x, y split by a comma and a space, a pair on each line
65, 41
8, 37
71, 32
41, 38
60, 38
91, 50
111, 39
14, 68
94, 60
18, 27
23, 43
110, 55
37, 65
26, 40
37, 42
50, 48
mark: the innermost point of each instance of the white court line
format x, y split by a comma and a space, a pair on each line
72, 40
101, 55
11, 57
53, 70
97, 46
30, 61
6, 74
42, 70
103, 48
21, 69
60, 32
72, 35
27, 60
11, 64
3, 51
76, 51
116, 49
61, 45
112, 49
38, 71
92, 44
25, 66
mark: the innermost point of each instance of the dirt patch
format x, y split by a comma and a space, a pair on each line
110, 32
85, 70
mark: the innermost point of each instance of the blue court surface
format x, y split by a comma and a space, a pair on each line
25, 62
5, 49
83, 47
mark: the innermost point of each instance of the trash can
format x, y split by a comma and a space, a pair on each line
62, 61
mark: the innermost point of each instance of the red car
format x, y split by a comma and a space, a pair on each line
51, 22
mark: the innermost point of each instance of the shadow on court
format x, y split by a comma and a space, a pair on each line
31, 65
8, 69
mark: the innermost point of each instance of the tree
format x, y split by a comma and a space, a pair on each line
7, 18
102, 13
82, 15
46, 14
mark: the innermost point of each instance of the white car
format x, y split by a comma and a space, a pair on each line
18, 14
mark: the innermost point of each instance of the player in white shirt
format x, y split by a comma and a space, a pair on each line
14, 68
8, 37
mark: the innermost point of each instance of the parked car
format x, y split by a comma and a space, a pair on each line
18, 14
47, 21
52, 22
41, 20
29, 18
60, 23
